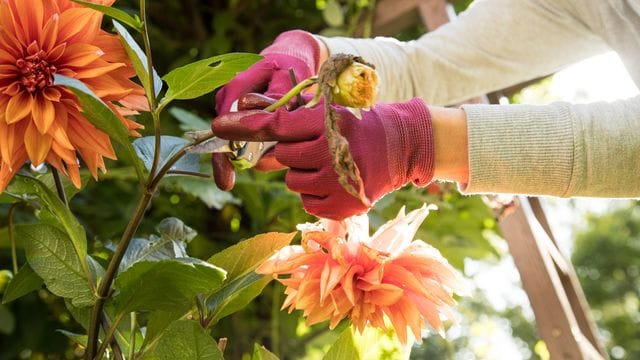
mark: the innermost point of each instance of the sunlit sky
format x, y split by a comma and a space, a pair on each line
601, 78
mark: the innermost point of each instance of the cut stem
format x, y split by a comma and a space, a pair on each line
293, 92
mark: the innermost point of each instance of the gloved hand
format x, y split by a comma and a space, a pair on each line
392, 144
294, 49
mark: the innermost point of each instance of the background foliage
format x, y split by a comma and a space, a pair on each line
185, 31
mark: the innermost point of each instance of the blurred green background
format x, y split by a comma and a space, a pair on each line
607, 255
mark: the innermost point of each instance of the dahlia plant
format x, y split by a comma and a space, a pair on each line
68, 92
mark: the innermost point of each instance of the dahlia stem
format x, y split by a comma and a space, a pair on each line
59, 187
12, 239
104, 291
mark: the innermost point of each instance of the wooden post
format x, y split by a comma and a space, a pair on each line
562, 313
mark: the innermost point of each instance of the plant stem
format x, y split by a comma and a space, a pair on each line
132, 342
158, 145
109, 331
189, 173
147, 49
12, 239
293, 92
129, 232
109, 275
59, 186
117, 352
294, 81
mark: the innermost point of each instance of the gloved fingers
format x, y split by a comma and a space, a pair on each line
327, 207
280, 83
306, 155
254, 79
224, 173
307, 182
254, 101
268, 162
283, 126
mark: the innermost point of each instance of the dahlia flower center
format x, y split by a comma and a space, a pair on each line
36, 72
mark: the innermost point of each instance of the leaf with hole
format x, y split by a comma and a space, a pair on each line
202, 77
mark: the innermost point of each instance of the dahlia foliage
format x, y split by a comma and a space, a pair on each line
41, 122
340, 271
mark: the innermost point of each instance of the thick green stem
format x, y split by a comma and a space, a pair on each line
293, 92
12, 239
109, 275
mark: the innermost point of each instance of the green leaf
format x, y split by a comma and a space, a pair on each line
51, 254
245, 256
204, 189
242, 284
169, 146
138, 60
69, 189
117, 14
201, 77
345, 348
183, 339
236, 295
261, 353
171, 244
188, 120
24, 282
58, 211
165, 284
100, 115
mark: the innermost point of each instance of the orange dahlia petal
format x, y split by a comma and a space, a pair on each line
38, 144
18, 107
43, 113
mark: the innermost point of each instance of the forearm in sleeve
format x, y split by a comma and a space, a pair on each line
492, 45
558, 149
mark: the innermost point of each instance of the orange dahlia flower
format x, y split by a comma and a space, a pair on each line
340, 271
41, 122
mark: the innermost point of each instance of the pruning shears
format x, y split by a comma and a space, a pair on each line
242, 154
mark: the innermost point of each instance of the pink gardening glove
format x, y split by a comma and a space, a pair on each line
392, 145
295, 49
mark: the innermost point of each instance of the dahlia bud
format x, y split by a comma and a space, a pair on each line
356, 86
5, 278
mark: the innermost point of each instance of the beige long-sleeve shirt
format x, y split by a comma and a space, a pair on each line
559, 149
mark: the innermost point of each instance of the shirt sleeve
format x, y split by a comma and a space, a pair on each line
558, 149
493, 45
